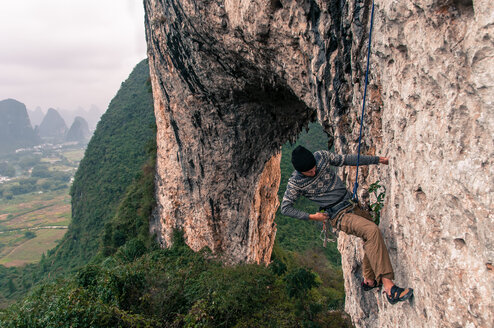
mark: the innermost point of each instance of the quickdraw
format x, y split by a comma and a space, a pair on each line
325, 232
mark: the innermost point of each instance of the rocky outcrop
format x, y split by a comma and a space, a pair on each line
15, 127
222, 112
233, 80
53, 127
79, 130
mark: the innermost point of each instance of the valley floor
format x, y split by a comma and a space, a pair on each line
31, 224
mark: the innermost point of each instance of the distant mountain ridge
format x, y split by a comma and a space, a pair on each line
15, 127
53, 127
36, 116
91, 116
79, 131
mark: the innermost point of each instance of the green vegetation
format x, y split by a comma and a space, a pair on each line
33, 246
26, 217
132, 283
179, 288
377, 206
74, 155
113, 160
116, 275
130, 225
7, 170
30, 234
38, 170
28, 161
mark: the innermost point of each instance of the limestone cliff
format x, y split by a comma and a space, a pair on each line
53, 127
15, 128
432, 113
233, 80
79, 130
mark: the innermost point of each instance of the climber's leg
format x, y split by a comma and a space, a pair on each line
374, 247
367, 271
369, 282
376, 254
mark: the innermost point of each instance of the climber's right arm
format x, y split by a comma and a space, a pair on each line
291, 195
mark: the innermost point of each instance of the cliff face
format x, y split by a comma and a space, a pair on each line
233, 80
432, 113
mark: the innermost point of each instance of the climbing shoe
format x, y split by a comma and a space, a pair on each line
399, 294
367, 287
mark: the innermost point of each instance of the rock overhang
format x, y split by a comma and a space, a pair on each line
430, 110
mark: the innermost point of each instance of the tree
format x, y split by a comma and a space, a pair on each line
7, 170
30, 234
11, 286
40, 171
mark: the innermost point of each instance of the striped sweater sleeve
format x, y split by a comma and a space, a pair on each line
350, 160
289, 198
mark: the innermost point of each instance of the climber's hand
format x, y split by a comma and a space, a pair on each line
319, 216
384, 160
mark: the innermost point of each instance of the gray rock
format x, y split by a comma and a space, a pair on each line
79, 130
233, 80
53, 127
432, 113
15, 128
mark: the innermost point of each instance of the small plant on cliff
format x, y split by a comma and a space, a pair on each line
377, 206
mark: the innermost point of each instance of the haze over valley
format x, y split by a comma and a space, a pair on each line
37, 165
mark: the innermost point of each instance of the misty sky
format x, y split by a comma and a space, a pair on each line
68, 53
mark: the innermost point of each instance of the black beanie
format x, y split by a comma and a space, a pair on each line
302, 159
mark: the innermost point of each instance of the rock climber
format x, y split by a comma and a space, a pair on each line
314, 179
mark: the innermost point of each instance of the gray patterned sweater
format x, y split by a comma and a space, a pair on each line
325, 188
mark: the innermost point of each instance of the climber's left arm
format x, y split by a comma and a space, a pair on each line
351, 160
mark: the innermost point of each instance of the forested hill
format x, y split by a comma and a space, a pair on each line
113, 159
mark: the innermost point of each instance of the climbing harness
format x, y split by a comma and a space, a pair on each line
355, 187
333, 213
330, 233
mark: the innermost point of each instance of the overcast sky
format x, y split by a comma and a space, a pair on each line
68, 53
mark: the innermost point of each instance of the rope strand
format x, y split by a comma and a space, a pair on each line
355, 187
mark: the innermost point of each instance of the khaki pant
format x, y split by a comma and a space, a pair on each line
376, 263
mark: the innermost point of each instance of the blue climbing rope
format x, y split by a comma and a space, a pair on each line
355, 187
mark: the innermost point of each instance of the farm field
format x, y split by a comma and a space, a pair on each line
31, 224
35, 208
31, 250
74, 155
